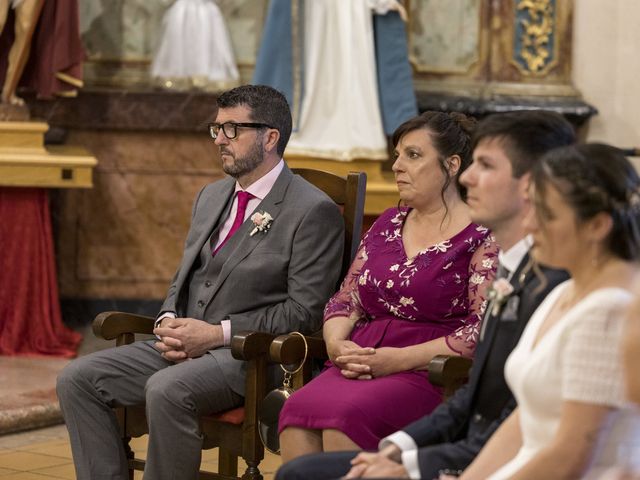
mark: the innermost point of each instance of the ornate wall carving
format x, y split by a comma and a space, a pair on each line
534, 42
517, 47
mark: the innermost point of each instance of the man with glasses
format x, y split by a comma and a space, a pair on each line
263, 253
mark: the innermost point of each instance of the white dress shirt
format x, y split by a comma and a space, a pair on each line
510, 260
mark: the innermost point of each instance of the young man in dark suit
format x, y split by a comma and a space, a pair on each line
505, 148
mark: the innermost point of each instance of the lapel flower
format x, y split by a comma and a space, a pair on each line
498, 294
261, 221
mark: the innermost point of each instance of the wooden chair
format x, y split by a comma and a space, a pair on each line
235, 432
449, 372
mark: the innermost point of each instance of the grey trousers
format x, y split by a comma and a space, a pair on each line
174, 395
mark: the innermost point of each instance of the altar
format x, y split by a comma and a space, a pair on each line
30, 317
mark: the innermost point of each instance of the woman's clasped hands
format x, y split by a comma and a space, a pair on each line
363, 363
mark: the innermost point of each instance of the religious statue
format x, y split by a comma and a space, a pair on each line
195, 48
40, 48
26, 16
345, 71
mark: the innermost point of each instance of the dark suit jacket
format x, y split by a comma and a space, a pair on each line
276, 281
452, 435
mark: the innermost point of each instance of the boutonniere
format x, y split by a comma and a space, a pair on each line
261, 221
498, 294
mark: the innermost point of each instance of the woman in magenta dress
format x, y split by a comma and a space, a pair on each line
415, 290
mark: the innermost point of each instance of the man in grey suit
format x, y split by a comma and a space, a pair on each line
263, 253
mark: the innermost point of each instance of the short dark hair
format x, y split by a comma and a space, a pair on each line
450, 134
267, 105
595, 178
526, 135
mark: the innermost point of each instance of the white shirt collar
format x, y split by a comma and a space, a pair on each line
261, 187
512, 257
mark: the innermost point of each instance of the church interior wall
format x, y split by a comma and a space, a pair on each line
123, 238
606, 68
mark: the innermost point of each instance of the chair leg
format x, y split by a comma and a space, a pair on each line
253, 472
129, 454
227, 463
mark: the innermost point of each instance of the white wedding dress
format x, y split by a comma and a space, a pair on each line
195, 49
578, 359
340, 115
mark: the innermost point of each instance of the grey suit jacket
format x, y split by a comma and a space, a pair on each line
276, 281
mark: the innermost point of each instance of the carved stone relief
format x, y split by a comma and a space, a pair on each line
444, 35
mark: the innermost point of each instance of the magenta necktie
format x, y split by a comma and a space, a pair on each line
243, 201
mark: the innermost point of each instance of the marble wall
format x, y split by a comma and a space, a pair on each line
444, 36
124, 237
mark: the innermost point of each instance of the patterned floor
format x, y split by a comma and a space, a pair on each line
45, 454
27, 400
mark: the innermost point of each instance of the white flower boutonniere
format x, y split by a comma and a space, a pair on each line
498, 294
262, 222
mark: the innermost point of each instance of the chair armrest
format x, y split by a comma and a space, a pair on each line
289, 349
449, 372
248, 345
110, 325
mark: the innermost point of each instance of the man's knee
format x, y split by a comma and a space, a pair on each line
72, 379
296, 469
164, 389
317, 466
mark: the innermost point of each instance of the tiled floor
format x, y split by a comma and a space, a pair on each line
45, 454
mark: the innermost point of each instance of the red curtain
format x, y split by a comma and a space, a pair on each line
30, 319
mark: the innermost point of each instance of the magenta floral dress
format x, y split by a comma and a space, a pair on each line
398, 302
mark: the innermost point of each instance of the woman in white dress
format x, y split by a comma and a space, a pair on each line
566, 370
195, 49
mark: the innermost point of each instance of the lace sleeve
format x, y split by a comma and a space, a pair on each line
346, 301
482, 269
592, 358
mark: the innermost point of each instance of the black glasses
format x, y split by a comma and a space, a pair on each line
230, 129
